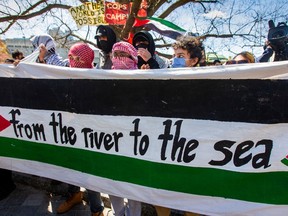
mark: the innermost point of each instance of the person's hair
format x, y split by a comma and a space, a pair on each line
247, 55
9, 61
16, 54
192, 44
216, 61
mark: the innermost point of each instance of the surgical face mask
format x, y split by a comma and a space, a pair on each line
178, 62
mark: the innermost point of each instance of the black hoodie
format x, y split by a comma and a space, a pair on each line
105, 46
103, 30
146, 36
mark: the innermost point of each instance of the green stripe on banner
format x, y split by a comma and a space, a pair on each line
256, 187
285, 161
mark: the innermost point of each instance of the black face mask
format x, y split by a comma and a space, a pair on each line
142, 45
105, 46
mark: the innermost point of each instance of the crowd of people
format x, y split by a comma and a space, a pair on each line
188, 52
121, 55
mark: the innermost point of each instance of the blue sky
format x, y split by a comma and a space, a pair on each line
232, 16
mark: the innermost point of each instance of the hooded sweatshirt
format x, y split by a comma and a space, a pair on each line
146, 36
105, 46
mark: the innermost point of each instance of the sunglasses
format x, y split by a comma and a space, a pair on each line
236, 62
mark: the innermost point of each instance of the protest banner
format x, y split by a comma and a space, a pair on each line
104, 12
116, 13
210, 140
89, 13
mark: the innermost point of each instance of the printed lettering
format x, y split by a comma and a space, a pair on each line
33, 131
97, 139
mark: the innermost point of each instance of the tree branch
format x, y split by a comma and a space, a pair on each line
130, 21
24, 16
180, 3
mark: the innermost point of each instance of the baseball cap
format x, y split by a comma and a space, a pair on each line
101, 32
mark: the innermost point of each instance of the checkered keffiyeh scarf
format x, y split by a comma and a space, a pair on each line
124, 62
46, 40
85, 53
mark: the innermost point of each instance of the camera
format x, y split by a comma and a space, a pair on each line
278, 38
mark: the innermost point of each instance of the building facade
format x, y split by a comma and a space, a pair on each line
24, 45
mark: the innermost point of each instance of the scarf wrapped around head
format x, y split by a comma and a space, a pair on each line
45, 39
125, 62
85, 54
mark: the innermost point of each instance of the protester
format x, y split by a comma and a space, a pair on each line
147, 58
17, 55
8, 185
105, 39
242, 58
187, 52
81, 56
124, 56
47, 55
47, 50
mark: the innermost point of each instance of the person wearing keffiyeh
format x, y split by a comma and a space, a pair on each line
124, 56
81, 55
47, 50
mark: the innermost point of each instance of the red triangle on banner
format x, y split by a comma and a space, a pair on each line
4, 123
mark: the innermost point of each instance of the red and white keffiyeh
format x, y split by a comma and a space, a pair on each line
124, 62
85, 54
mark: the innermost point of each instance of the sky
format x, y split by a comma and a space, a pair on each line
232, 16
227, 16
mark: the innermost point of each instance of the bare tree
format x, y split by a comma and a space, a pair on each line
242, 23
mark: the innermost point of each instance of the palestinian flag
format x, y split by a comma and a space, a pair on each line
160, 26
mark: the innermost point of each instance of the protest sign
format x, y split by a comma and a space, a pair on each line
89, 13
116, 13
210, 140
104, 12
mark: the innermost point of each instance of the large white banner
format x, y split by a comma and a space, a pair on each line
210, 140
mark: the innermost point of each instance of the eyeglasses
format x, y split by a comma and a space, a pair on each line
236, 62
121, 54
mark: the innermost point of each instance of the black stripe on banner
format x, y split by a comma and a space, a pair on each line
261, 101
